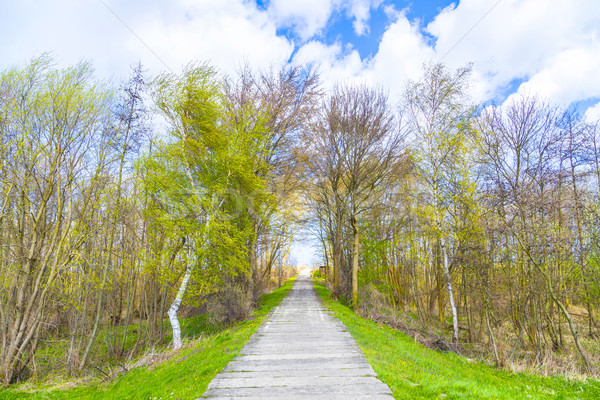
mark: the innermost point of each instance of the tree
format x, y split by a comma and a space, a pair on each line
211, 166
519, 143
128, 131
55, 144
283, 101
439, 115
356, 154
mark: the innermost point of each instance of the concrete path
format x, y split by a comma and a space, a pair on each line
300, 352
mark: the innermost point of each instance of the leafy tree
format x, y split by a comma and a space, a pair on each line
206, 178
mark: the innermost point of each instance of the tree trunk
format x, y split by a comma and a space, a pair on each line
279, 277
337, 258
172, 313
492, 338
573, 328
92, 337
450, 295
355, 265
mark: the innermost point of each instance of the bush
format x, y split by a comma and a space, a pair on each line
229, 304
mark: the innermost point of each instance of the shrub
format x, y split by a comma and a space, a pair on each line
229, 304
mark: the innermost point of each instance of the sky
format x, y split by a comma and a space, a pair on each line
548, 48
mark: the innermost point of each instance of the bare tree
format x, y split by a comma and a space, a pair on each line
357, 151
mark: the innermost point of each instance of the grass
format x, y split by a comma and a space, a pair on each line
413, 371
185, 375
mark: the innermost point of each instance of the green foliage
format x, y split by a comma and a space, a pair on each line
203, 182
55, 157
413, 371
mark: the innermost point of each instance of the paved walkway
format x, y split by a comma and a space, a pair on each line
300, 352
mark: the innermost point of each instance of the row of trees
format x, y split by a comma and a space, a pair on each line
117, 205
486, 216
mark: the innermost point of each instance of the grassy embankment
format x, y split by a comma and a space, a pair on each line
413, 371
184, 375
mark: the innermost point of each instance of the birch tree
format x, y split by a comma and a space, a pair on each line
439, 114
213, 163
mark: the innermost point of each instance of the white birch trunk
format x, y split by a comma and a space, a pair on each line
355, 251
450, 295
172, 313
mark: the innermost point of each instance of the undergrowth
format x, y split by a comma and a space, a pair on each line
413, 371
184, 374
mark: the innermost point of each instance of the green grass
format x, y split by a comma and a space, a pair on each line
413, 371
183, 376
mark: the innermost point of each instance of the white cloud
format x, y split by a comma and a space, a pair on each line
570, 76
552, 46
400, 58
360, 10
517, 39
225, 33
401, 54
307, 17
70, 30
593, 113
335, 63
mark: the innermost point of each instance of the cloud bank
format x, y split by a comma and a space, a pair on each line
546, 47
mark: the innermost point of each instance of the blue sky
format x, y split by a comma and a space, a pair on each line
340, 27
548, 48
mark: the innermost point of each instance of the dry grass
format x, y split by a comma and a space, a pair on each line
521, 358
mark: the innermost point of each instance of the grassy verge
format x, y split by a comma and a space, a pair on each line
413, 371
185, 375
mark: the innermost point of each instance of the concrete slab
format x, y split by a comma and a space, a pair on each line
319, 391
312, 397
289, 381
301, 352
313, 366
305, 373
